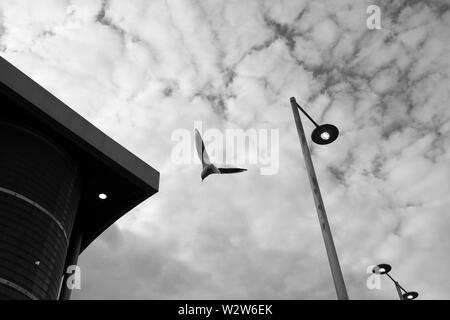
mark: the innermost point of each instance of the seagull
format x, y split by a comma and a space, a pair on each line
208, 167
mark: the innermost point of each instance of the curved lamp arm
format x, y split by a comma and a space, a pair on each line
293, 102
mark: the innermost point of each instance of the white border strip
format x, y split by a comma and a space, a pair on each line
17, 195
18, 288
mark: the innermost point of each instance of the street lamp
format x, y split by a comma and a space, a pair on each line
322, 134
402, 293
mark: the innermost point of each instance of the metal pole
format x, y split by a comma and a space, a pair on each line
72, 259
397, 286
399, 291
326, 232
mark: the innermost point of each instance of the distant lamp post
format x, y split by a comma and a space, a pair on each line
402, 293
322, 134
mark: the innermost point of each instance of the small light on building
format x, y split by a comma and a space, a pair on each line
102, 196
37, 262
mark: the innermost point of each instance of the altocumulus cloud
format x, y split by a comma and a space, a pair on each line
139, 70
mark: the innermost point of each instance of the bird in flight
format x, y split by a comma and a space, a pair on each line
208, 167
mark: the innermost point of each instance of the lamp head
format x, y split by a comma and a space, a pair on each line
325, 134
382, 268
410, 295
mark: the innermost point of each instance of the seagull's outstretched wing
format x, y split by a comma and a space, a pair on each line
200, 146
231, 170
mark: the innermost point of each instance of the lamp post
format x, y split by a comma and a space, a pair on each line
402, 293
322, 134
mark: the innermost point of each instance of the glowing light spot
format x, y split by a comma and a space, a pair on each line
325, 135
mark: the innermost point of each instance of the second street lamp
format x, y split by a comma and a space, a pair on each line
322, 134
402, 293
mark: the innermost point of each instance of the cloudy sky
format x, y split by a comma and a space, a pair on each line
139, 70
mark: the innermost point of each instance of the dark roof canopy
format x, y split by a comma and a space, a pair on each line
106, 166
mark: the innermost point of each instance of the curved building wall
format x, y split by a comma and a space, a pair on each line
39, 195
